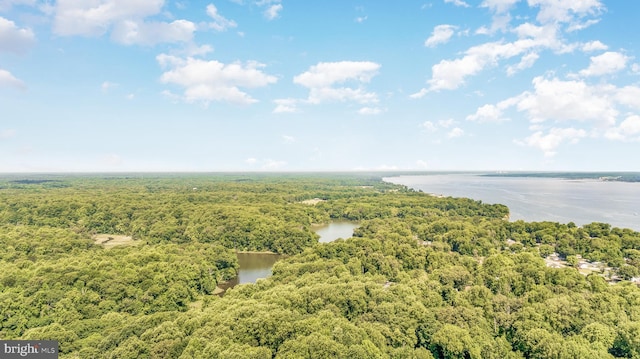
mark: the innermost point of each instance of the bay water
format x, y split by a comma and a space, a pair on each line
535, 199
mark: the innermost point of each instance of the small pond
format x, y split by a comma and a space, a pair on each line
254, 266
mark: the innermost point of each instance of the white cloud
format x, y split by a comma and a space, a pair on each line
628, 96
361, 19
607, 63
429, 126
440, 35
325, 74
220, 23
559, 100
492, 113
130, 32
14, 39
527, 61
251, 161
288, 139
322, 80
501, 17
629, 129
206, 81
456, 132
548, 143
94, 18
499, 6
565, 11
451, 74
370, 111
594, 46
285, 105
576, 101
7, 79
124, 18
273, 11
457, 3
432, 127
576, 26
422, 164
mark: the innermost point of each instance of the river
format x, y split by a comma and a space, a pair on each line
541, 199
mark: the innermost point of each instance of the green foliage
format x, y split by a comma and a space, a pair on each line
423, 277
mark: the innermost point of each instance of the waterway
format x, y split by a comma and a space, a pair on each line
541, 199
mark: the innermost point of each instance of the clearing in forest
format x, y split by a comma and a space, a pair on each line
112, 240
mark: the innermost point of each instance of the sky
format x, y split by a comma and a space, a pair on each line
305, 85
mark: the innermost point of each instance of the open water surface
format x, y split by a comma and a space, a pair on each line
534, 199
254, 266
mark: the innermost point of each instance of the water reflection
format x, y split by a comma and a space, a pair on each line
257, 265
334, 230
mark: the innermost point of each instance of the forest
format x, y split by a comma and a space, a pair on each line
422, 277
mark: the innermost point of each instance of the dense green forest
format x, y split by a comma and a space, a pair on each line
423, 277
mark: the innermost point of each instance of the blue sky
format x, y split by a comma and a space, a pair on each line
278, 85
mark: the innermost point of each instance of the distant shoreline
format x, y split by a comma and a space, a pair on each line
600, 176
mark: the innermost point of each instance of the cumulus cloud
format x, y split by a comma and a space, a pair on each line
593, 46
440, 35
492, 113
285, 105
628, 130
451, 74
8, 80
560, 100
588, 108
550, 141
566, 11
273, 11
152, 33
220, 23
125, 19
607, 63
94, 18
328, 82
205, 81
553, 19
14, 39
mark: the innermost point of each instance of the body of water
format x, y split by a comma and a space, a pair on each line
254, 266
541, 199
334, 230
